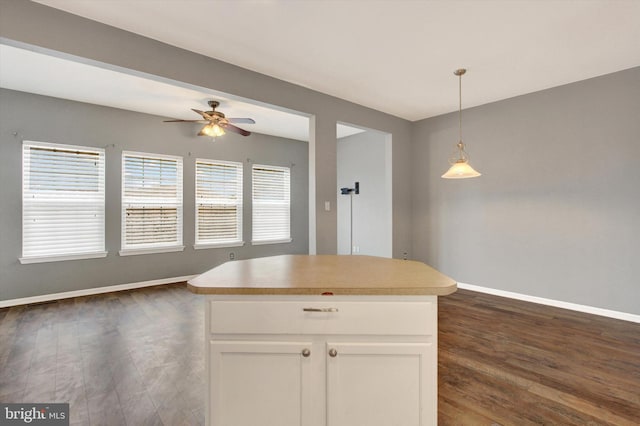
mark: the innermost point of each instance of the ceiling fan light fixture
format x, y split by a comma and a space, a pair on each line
217, 124
212, 129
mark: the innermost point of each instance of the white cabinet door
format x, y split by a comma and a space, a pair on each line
260, 383
381, 384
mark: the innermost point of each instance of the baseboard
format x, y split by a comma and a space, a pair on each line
91, 291
557, 303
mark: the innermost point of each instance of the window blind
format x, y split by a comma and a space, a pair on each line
63, 202
271, 204
151, 201
218, 202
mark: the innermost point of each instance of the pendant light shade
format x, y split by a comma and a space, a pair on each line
461, 170
460, 167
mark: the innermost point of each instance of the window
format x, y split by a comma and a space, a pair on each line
271, 204
62, 202
218, 203
151, 203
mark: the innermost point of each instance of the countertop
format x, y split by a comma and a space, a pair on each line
314, 275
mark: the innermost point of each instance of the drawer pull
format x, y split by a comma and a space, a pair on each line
306, 352
320, 309
333, 352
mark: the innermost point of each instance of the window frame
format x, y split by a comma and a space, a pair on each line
254, 203
73, 197
125, 202
206, 244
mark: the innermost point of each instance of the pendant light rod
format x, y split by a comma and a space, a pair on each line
460, 72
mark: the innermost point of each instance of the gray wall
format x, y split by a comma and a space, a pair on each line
556, 213
44, 27
48, 119
363, 158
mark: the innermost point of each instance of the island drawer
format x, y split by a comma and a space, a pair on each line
368, 317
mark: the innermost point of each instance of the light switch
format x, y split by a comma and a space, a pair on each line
327, 206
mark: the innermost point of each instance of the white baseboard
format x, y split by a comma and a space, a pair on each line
550, 302
90, 291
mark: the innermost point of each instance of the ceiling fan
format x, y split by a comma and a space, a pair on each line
216, 123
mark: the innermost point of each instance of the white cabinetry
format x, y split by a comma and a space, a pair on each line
379, 384
260, 383
318, 360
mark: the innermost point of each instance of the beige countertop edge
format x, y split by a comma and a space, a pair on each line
301, 291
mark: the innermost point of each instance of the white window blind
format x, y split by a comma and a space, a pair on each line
271, 204
151, 203
62, 202
218, 203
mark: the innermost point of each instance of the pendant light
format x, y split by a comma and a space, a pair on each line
460, 168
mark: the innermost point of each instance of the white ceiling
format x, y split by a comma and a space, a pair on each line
395, 56
83, 82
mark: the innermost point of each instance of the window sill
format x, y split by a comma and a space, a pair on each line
61, 258
281, 241
204, 246
150, 250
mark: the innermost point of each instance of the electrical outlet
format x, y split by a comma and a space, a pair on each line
404, 256
232, 256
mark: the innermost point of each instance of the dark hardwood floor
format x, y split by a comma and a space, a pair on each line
508, 362
133, 357
136, 358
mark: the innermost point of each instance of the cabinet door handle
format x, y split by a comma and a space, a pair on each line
333, 352
306, 352
320, 309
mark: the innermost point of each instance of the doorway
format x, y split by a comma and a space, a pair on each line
365, 219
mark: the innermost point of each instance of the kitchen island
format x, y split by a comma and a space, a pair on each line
302, 340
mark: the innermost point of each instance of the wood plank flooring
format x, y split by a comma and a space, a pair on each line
126, 358
136, 358
509, 362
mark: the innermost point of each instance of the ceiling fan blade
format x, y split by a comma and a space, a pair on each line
235, 129
202, 113
241, 120
186, 121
